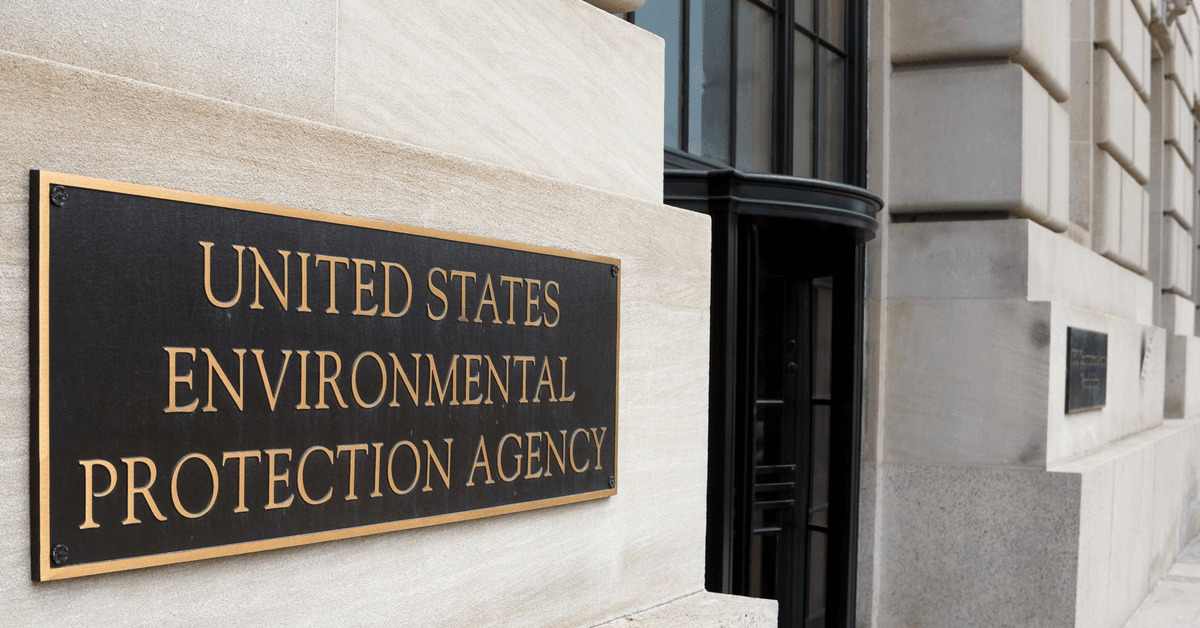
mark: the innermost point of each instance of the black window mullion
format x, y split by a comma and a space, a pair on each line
685, 74
734, 10
784, 90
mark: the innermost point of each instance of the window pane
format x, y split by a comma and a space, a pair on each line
708, 80
833, 115
803, 13
662, 17
814, 615
802, 107
755, 69
833, 22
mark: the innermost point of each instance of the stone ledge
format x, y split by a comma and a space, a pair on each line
704, 610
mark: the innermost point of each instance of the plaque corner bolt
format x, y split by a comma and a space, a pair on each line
612, 481
58, 195
616, 270
58, 554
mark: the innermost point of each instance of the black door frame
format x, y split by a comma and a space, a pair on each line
844, 218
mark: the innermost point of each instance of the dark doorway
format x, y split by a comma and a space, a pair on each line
785, 387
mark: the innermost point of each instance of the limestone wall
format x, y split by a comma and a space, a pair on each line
534, 122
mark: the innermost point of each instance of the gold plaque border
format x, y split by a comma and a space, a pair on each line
45, 571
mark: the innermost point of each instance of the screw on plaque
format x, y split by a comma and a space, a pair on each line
58, 195
612, 481
58, 554
615, 271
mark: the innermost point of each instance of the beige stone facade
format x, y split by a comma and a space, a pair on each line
1037, 160
1061, 136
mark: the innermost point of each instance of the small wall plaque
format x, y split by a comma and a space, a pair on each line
1087, 369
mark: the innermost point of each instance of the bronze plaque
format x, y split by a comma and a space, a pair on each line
214, 377
1087, 369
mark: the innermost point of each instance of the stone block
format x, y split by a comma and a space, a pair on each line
1122, 120
1170, 464
1179, 182
942, 118
1095, 546
1119, 214
1129, 567
1082, 154
967, 382
1136, 508
553, 87
274, 54
579, 564
1176, 269
1010, 259
1178, 122
1181, 397
1080, 105
1178, 314
1179, 65
1131, 405
1034, 34
1143, 10
1121, 31
968, 547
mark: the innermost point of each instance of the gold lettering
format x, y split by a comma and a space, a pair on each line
410, 385
303, 405
481, 451
531, 303
144, 490
387, 290
354, 379
439, 294
598, 439
88, 488
260, 268
333, 262
173, 379
552, 303
431, 457
467, 399
500, 458
462, 277
562, 384
331, 380
353, 449
208, 276
213, 366
216, 483
435, 382
273, 477
361, 287
484, 299
272, 394
562, 464
241, 456
304, 282
524, 361
378, 448
544, 380
416, 474
492, 372
300, 476
532, 454
586, 462
512, 283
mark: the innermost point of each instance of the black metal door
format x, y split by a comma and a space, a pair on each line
786, 432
